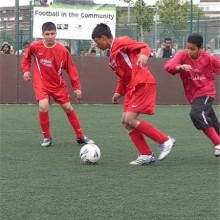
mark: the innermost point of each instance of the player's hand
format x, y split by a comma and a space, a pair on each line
78, 94
142, 61
27, 76
115, 98
184, 67
175, 47
163, 45
93, 45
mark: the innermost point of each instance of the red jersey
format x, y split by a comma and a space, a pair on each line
200, 80
48, 65
124, 54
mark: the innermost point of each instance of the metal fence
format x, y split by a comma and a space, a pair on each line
19, 32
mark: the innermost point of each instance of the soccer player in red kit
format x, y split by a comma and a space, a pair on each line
50, 58
196, 69
128, 60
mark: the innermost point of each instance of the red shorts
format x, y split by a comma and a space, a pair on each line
60, 95
142, 100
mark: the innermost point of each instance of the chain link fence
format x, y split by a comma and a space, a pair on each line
17, 31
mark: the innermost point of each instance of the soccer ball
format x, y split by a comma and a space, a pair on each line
90, 153
46, 2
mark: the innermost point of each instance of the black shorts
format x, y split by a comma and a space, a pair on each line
202, 113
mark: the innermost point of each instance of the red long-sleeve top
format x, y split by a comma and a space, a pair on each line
48, 65
200, 80
124, 54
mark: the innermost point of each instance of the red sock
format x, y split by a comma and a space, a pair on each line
45, 124
153, 133
138, 139
212, 135
75, 123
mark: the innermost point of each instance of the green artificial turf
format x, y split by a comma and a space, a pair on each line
53, 184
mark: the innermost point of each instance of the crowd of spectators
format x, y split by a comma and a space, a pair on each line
166, 50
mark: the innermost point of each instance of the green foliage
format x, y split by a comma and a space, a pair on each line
171, 12
6, 36
175, 16
144, 16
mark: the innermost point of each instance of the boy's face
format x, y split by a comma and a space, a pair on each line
49, 37
102, 42
193, 50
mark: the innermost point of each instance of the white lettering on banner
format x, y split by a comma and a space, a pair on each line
73, 23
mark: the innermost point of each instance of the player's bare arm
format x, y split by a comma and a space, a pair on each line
27, 76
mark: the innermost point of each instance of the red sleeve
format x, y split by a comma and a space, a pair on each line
26, 60
215, 64
170, 65
120, 88
72, 72
132, 45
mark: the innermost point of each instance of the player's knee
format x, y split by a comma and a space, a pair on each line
44, 107
194, 115
196, 118
128, 123
67, 107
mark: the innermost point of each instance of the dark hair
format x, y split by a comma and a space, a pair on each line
195, 38
101, 29
167, 38
48, 26
68, 48
25, 43
93, 51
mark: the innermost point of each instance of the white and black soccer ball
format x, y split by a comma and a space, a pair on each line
90, 153
46, 2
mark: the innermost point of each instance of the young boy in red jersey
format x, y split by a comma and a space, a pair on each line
128, 60
196, 69
50, 58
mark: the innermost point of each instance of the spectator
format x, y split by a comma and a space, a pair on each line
209, 50
153, 52
25, 45
92, 49
93, 53
7, 48
166, 50
82, 53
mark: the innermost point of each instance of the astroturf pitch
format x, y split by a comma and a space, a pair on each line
53, 184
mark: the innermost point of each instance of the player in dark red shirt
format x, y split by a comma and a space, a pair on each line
196, 69
128, 60
50, 58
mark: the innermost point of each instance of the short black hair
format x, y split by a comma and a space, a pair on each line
195, 38
49, 26
68, 48
101, 29
167, 38
25, 43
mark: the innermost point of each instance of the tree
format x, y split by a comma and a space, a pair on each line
6, 36
143, 16
175, 16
